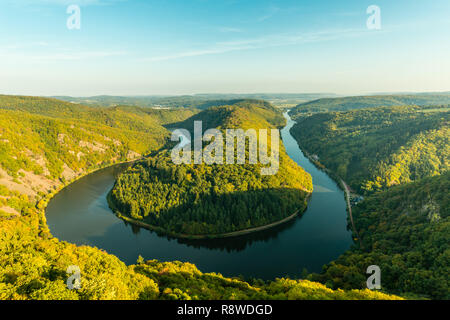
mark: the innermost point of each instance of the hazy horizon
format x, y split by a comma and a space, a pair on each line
241, 93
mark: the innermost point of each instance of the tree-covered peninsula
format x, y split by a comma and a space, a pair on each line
216, 199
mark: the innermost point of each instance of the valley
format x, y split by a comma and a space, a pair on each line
66, 137
224, 159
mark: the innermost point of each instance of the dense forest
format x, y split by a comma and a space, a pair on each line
360, 102
406, 232
375, 148
202, 199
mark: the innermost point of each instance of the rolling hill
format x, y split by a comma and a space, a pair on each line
360, 102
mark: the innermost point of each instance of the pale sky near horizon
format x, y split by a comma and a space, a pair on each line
137, 47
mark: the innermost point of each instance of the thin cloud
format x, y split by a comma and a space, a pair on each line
229, 29
63, 56
81, 55
265, 42
188, 54
42, 50
271, 12
82, 3
16, 46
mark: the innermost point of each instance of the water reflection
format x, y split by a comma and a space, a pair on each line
236, 244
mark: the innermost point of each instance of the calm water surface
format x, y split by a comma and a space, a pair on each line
80, 214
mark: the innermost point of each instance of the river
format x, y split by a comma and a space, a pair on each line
80, 214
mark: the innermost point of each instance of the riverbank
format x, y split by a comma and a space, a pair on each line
339, 181
349, 207
41, 204
342, 184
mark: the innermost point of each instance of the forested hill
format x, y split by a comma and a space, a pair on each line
213, 199
406, 232
372, 149
359, 102
399, 158
45, 143
240, 113
123, 117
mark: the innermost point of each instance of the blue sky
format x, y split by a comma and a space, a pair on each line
139, 47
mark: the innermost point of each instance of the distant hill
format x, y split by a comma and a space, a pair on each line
191, 101
214, 115
275, 98
360, 102
185, 101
